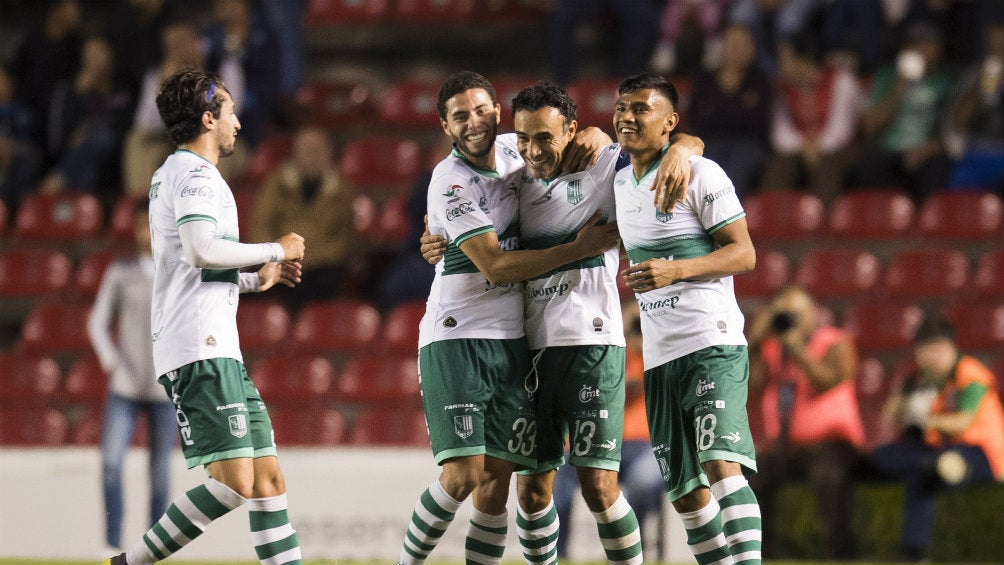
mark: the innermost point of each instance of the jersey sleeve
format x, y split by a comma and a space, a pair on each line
453, 209
713, 196
198, 198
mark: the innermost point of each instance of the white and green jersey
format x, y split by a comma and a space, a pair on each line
464, 202
578, 303
194, 311
689, 315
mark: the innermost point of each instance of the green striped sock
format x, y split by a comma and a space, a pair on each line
740, 519
185, 520
704, 535
486, 537
538, 535
273, 536
619, 533
433, 513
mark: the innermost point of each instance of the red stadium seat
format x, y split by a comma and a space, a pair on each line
31, 427
871, 214
596, 99
34, 273
873, 387
390, 426
86, 382
783, 214
55, 329
931, 273
340, 325
978, 326
962, 215
262, 325
87, 278
384, 223
771, 273
411, 103
245, 200
321, 13
4, 220
374, 379
337, 104
298, 378
882, 327
400, 330
837, 272
434, 11
382, 161
66, 217
270, 154
989, 277
314, 427
122, 223
28, 380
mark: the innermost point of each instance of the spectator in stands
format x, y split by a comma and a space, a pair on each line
308, 196
45, 57
952, 430
771, 22
119, 329
20, 158
902, 121
814, 120
730, 110
244, 51
803, 375
636, 25
975, 129
704, 15
639, 478
134, 29
88, 117
146, 143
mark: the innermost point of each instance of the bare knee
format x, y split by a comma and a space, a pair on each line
460, 476
718, 470
693, 500
534, 492
599, 488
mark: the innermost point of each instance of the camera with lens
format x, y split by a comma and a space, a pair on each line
782, 322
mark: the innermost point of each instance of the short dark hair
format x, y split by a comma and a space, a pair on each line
934, 327
645, 81
545, 95
462, 82
182, 99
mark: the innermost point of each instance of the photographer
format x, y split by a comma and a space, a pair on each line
802, 376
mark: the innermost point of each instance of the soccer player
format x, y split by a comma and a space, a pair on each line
574, 329
696, 364
473, 358
222, 420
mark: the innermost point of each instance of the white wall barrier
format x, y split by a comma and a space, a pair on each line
345, 503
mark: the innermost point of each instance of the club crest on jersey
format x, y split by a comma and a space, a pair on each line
664, 218
154, 189
453, 190
483, 204
574, 192
238, 425
597, 324
463, 426
512, 154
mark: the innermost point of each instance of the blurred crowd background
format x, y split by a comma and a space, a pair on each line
865, 138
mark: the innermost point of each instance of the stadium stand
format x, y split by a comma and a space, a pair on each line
871, 214
390, 426
927, 273
379, 380
882, 327
64, 217
400, 329
263, 326
336, 326
34, 273
988, 279
338, 103
838, 273
773, 271
967, 216
784, 215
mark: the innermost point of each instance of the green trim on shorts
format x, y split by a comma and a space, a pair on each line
459, 452
195, 461
723, 455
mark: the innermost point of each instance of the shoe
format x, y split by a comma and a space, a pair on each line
952, 467
117, 560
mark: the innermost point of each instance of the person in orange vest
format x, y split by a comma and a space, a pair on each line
952, 426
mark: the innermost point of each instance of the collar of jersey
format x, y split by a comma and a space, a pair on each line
652, 167
493, 174
193, 153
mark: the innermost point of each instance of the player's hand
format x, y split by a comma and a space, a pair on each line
292, 244
594, 238
433, 247
585, 147
287, 273
672, 178
651, 274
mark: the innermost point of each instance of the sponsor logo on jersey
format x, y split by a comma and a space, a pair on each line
509, 243
573, 192
609, 445
545, 198
450, 322
238, 425
154, 189
511, 191
211, 341
463, 426
734, 437
620, 182
453, 190
664, 218
512, 154
200, 169
202, 191
659, 304
547, 292
597, 324
588, 393
458, 207
709, 198
483, 204
704, 387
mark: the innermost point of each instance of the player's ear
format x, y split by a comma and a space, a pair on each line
208, 121
446, 127
672, 120
573, 127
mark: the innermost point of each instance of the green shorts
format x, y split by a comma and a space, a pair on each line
697, 412
219, 411
580, 397
475, 399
